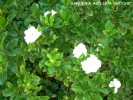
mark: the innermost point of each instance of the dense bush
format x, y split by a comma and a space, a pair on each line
49, 65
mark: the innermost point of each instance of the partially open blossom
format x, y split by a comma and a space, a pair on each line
91, 64
53, 12
79, 50
116, 84
48, 12
31, 35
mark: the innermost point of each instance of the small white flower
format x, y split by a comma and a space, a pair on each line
79, 50
46, 13
91, 64
53, 12
116, 84
31, 35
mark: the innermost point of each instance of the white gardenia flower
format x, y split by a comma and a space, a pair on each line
116, 84
91, 64
31, 35
79, 50
53, 12
46, 13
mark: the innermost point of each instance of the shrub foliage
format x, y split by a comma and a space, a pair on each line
47, 68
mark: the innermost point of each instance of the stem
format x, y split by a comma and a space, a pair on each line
35, 69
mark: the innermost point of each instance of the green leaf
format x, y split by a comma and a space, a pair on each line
107, 9
113, 31
2, 21
23, 48
89, 12
11, 52
117, 70
96, 96
75, 16
57, 56
78, 97
13, 67
46, 20
44, 53
7, 92
9, 84
29, 97
103, 90
49, 56
2, 38
42, 63
12, 33
84, 83
22, 70
63, 14
3, 72
100, 78
67, 65
109, 26
34, 9
48, 63
51, 20
65, 2
42, 19
11, 16
57, 22
123, 30
39, 28
79, 22
29, 20
29, 1
32, 59
35, 80
57, 63
51, 70
1, 12
77, 89
12, 44
86, 96
76, 68
105, 41
2, 56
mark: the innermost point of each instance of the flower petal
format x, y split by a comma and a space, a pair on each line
31, 35
53, 12
115, 90
91, 64
46, 13
79, 50
111, 84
